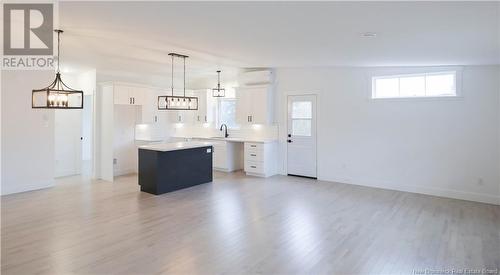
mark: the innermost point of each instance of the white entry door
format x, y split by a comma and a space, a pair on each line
301, 139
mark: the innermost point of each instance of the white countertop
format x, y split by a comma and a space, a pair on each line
235, 139
173, 146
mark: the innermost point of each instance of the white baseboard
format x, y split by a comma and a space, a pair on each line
122, 172
440, 192
16, 188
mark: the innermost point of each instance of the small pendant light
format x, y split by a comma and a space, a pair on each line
172, 102
218, 92
57, 95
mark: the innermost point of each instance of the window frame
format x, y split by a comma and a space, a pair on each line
405, 72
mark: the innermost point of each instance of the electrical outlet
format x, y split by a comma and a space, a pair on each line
115, 161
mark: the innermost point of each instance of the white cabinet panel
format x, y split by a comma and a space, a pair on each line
128, 95
149, 105
254, 105
121, 95
243, 106
260, 159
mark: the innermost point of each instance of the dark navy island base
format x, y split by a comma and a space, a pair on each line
166, 171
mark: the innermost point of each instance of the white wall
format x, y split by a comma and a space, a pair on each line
27, 134
440, 147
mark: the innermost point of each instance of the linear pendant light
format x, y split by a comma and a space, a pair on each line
172, 102
57, 95
218, 92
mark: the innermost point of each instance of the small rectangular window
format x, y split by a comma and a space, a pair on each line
438, 84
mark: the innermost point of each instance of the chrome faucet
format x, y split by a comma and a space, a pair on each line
225, 130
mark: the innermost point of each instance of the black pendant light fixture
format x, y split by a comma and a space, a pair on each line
172, 102
218, 92
57, 95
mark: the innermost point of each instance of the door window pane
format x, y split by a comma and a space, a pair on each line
302, 109
301, 127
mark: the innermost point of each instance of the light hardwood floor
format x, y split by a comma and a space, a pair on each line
239, 224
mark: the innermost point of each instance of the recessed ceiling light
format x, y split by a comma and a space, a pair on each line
369, 35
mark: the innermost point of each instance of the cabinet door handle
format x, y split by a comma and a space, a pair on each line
129, 100
253, 166
253, 145
156, 118
251, 118
179, 118
205, 118
198, 118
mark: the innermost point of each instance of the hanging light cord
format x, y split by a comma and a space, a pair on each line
184, 76
172, 84
58, 46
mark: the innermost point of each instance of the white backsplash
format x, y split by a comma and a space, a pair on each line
255, 131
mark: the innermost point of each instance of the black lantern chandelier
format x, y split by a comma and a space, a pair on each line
57, 95
172, 102
218, 92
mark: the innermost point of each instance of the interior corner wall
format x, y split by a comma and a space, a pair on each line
27, 143
443, 147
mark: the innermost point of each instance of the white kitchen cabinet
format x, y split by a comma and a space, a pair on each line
260, 158
150, 113
181, 116
201, 115
128, 95
227, 156
254, 105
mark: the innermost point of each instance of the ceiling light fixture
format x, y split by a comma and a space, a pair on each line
369, 35
172, 102
218, 92
57, 95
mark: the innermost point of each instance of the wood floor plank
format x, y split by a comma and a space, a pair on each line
242, 225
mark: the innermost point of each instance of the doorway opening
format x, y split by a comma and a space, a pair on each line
74, 141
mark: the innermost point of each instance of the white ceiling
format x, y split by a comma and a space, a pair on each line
133, 38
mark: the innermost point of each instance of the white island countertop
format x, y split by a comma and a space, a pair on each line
234, 139
173, 146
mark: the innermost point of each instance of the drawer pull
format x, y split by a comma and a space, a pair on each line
253, 166
253, 155
253, 145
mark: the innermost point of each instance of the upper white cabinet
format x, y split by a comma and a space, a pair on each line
201, 115
128, 95
150, 113
192, 116
254, 105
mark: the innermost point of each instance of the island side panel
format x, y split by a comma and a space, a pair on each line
148, 171
184, 168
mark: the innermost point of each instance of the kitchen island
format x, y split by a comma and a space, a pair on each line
172, 166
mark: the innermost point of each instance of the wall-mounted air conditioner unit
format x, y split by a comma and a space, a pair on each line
253, 78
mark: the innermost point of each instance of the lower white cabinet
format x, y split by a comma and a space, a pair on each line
227, 156
260, 158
